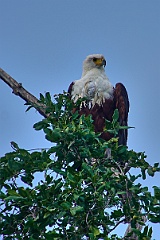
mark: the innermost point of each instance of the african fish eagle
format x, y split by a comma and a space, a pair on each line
102, 97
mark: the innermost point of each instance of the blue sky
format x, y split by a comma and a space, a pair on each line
43, 44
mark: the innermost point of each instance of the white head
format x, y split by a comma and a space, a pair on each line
93, 61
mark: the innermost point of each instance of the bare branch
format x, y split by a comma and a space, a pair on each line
22, 92
121, 221
138, 227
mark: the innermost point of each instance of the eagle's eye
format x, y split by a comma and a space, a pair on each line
94, 59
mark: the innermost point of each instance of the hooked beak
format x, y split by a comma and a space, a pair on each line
104, 62
100, 62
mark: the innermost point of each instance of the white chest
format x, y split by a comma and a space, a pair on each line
95, 87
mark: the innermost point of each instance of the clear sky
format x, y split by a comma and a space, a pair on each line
43, 44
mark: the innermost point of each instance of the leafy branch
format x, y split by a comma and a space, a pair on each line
81, 194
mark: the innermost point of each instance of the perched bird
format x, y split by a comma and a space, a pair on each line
101, 97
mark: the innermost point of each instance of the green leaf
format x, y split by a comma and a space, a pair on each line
41, 97
145, 230
53, 135
150, 172
29, 108
13, 192
144, 189
121, 193
155, 219
143, 173
14, 145
156, 165
49, 179
40, 125
28, 178
150, 232
13, 198
125, 127
48, 96
115, 115
66, 205
71, 177
122, 149
75, 210
87, 168
95, 231
117, 213
61, 172
157, 192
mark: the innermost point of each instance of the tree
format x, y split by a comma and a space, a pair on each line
82, 194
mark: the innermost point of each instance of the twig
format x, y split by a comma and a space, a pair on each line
37, 149
22, 92
117, 224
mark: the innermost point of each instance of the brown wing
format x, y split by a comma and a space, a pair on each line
70, 88
100, 113
70, 91
122, 104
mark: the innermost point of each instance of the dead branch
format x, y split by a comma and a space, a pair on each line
22, 92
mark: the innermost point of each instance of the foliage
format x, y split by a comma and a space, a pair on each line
82, 194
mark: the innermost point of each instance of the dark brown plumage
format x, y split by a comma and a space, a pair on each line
105, 111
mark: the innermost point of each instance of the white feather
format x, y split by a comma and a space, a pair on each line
94, 85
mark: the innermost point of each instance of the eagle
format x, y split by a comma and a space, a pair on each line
101, 97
